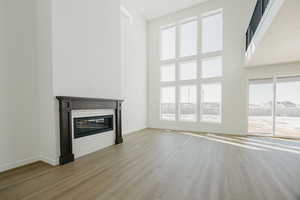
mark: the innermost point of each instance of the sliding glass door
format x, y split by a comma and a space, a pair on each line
287, 120
260, 110
274, 107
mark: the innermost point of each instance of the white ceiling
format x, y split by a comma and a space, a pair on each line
155, 8
281, 43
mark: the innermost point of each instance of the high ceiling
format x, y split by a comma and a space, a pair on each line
155, 8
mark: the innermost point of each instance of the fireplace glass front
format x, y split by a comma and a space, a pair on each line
87, 126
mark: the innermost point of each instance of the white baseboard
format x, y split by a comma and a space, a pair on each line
13, 165
50, 161
17, 164
134, 130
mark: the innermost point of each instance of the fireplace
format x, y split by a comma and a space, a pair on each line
86, 126
69, 104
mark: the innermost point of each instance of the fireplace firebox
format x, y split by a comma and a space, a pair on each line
86, 126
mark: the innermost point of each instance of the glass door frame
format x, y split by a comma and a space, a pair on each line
272, 81
274, 105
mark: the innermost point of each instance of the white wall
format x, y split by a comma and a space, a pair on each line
62, 47
134, 71
47, 115
80, 57
86, 48
18, 130
236, 19
280, 23
86, 61
3, 87
268, 71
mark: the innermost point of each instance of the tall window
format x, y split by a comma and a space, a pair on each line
212, 67
168, 107
190, 64
212, 34
211, 102
167, 73
168, 45
188, 103
188, 38
188, 70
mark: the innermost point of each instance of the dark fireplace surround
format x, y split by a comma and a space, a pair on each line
67, 104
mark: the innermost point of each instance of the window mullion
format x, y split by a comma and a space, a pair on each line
274, 104
211, 54
177, 50
199, 65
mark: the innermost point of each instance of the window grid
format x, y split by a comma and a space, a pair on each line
211, 110
189, 102
199, 81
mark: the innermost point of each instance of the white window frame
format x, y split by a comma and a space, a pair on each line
198, 58
211, 80
273, 106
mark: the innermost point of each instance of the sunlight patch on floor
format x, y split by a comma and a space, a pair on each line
271, 143
255, 144
224, 141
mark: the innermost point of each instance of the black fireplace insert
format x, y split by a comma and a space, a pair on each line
87, 126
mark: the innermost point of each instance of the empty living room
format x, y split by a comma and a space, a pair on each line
149, 100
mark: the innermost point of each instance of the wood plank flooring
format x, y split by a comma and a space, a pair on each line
166, 165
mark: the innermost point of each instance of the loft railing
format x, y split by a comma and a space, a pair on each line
258, 13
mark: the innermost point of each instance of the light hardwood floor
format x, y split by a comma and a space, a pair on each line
156, 164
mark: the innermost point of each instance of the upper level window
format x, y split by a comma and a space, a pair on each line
167, 103
211, 102
212, 67
212, 32
168, 43
188, 70
188, 38
188, 103
167, 73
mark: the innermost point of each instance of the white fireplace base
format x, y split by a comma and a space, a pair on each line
89, 144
